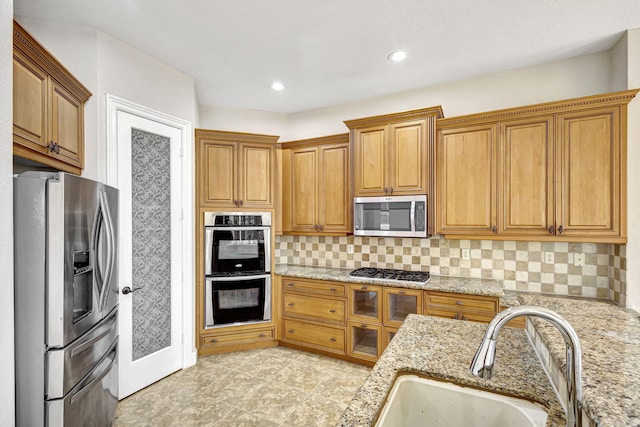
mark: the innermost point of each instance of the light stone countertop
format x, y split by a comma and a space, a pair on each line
459, 285
610, 340
443, 349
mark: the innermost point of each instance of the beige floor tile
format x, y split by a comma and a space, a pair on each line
240, 418
316, 411
276, 386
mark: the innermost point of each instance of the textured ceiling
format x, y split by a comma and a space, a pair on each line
334, 51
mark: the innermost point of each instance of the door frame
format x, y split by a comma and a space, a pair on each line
114, 105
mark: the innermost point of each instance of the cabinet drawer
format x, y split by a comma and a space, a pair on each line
321, 337
459, 315
311, 287
240, 337
308, 306
461, 302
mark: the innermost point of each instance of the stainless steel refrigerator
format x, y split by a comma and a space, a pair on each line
66, 300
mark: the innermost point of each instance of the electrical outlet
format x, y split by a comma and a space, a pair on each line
578, 259
349, 249
465, 254
548, 257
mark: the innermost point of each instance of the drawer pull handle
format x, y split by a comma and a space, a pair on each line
332, 311
262, 335
290, 304
332, 339
401, 292
333, 289
464, 317
363, 326
290, 331
213, 341
460, 302
364, 287
290, 285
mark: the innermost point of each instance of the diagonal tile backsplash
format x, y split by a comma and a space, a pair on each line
546, 267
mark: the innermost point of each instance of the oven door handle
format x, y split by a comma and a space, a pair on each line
266, 229
237, 278
208, 250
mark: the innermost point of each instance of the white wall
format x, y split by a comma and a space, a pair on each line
7, 359
580, 76
633, 172
252, 121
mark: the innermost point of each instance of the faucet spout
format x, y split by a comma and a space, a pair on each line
483, 361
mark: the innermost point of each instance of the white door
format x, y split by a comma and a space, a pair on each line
150, 321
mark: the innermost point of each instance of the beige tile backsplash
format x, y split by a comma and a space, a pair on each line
519, 265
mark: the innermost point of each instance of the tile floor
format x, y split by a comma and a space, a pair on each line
277, 386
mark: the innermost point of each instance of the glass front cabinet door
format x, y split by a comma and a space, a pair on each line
365, 303
398, 303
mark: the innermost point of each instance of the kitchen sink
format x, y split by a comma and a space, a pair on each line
418, 401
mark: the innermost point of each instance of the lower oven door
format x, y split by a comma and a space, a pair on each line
93, 401
236, 300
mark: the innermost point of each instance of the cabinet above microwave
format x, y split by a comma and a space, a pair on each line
391, 216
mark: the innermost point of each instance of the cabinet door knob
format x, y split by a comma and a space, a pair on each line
391, 190
464, 317
560, 229
235, 202
386, 190
290, 331
290, 304
241, 202
332, 339
494, 229
552, 229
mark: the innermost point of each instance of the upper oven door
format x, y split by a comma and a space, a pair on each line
237, 250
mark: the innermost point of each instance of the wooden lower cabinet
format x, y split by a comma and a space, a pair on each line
228, 339
365, 341
329, 310
320, 337
387, 335
476, 308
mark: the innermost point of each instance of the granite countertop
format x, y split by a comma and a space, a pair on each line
459, 285
443, 349
610, 340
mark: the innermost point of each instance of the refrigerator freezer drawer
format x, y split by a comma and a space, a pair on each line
93, 401
67, 366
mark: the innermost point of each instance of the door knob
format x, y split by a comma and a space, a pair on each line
127, 290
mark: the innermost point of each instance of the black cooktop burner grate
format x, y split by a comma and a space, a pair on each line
391, 274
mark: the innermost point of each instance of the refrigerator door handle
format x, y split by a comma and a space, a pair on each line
98, 373
106, 214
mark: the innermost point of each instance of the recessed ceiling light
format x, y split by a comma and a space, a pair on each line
277, 86
397, 56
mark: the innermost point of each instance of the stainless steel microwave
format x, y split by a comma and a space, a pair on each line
390, 216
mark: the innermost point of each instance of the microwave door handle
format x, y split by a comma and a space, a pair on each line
104, 208
208, 250
413, 216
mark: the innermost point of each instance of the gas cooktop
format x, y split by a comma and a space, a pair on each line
387, 274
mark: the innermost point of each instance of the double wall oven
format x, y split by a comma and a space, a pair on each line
237, 268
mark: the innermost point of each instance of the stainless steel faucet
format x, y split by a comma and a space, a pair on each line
482, 364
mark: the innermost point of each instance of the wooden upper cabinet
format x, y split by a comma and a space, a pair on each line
467, 180
561, 172
235, 170
391, 153
48, 107
526, 172
588, 183
316, 197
